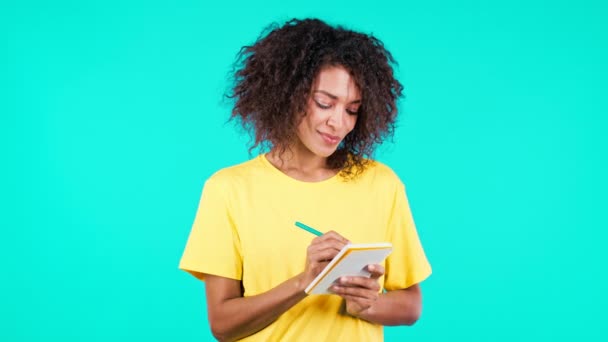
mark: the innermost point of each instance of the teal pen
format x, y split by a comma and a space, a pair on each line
308, 229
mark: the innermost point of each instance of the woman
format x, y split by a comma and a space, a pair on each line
321, 98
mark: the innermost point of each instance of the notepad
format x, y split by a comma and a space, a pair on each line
350, 261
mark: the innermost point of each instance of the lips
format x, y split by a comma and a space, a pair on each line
330, 139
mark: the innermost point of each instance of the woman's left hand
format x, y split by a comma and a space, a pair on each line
360, 293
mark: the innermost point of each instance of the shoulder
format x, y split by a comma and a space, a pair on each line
237, 174
380, 174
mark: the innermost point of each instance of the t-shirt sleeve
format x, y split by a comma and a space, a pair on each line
213, 246
407, 264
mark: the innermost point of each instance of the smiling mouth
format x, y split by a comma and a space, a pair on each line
330, 139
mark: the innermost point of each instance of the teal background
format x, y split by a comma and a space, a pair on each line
112, 118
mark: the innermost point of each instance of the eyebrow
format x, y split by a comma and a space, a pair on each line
332, 96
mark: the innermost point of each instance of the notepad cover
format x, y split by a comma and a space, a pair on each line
350, 261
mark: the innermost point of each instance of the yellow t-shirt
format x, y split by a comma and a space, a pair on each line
244, 229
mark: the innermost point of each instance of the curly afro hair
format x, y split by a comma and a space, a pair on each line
273, 80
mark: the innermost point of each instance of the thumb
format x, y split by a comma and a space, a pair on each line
375, 270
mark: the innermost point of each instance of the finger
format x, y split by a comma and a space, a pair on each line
330, 235
360, 282
322, 256
362, 303
334, 235
322, 252
326, 245
376, 271
328, 240
354, 292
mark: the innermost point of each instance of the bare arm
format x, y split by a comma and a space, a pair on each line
233, 316
363, 300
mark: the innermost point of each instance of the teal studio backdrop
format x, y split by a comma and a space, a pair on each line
112, 118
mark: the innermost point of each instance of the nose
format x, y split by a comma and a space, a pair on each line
336, 117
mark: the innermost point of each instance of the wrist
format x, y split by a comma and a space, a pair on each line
369, 313
301, 282
366, 314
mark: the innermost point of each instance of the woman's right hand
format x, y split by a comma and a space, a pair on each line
319, 253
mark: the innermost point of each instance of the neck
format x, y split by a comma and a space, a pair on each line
300, 163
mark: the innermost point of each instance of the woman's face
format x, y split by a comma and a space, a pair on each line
331, 111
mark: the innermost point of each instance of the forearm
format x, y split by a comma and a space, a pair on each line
242, 316
400, 307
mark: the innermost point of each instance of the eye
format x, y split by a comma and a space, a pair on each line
353, 110
322, 105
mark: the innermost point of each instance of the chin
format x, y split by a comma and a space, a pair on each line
325, 153
321, 150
